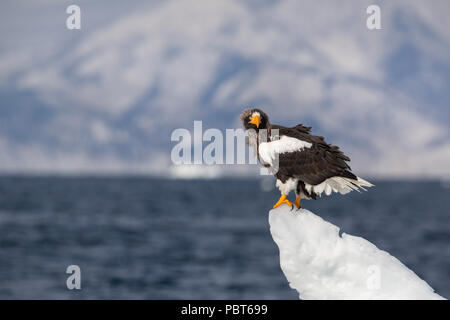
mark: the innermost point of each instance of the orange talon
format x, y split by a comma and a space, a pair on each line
297, 202
281, 201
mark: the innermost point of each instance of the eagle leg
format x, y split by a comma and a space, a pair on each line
281, 201
297, 202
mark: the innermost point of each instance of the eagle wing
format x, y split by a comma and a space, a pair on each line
304, 156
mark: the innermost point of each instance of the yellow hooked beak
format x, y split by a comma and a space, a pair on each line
255, 120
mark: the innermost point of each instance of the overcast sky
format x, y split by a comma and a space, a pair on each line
105, 99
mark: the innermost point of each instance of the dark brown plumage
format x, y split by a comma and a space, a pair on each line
310, 166
313, 165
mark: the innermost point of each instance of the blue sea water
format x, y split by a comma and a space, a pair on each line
142, 238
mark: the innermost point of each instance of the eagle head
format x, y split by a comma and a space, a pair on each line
254, 119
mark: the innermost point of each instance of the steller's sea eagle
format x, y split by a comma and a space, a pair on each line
306, 163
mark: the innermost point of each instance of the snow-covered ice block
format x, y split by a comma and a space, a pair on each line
321, 264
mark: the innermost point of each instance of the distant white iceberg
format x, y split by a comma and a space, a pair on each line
321, 264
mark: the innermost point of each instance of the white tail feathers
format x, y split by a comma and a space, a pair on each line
362, 183
338, 184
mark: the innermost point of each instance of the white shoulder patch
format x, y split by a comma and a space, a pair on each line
269, 151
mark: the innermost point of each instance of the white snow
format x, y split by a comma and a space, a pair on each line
321, 264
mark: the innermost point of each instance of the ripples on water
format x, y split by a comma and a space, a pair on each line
164, 239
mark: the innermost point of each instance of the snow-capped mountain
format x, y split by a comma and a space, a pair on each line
106, 97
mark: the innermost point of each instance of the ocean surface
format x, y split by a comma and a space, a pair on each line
142, 238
